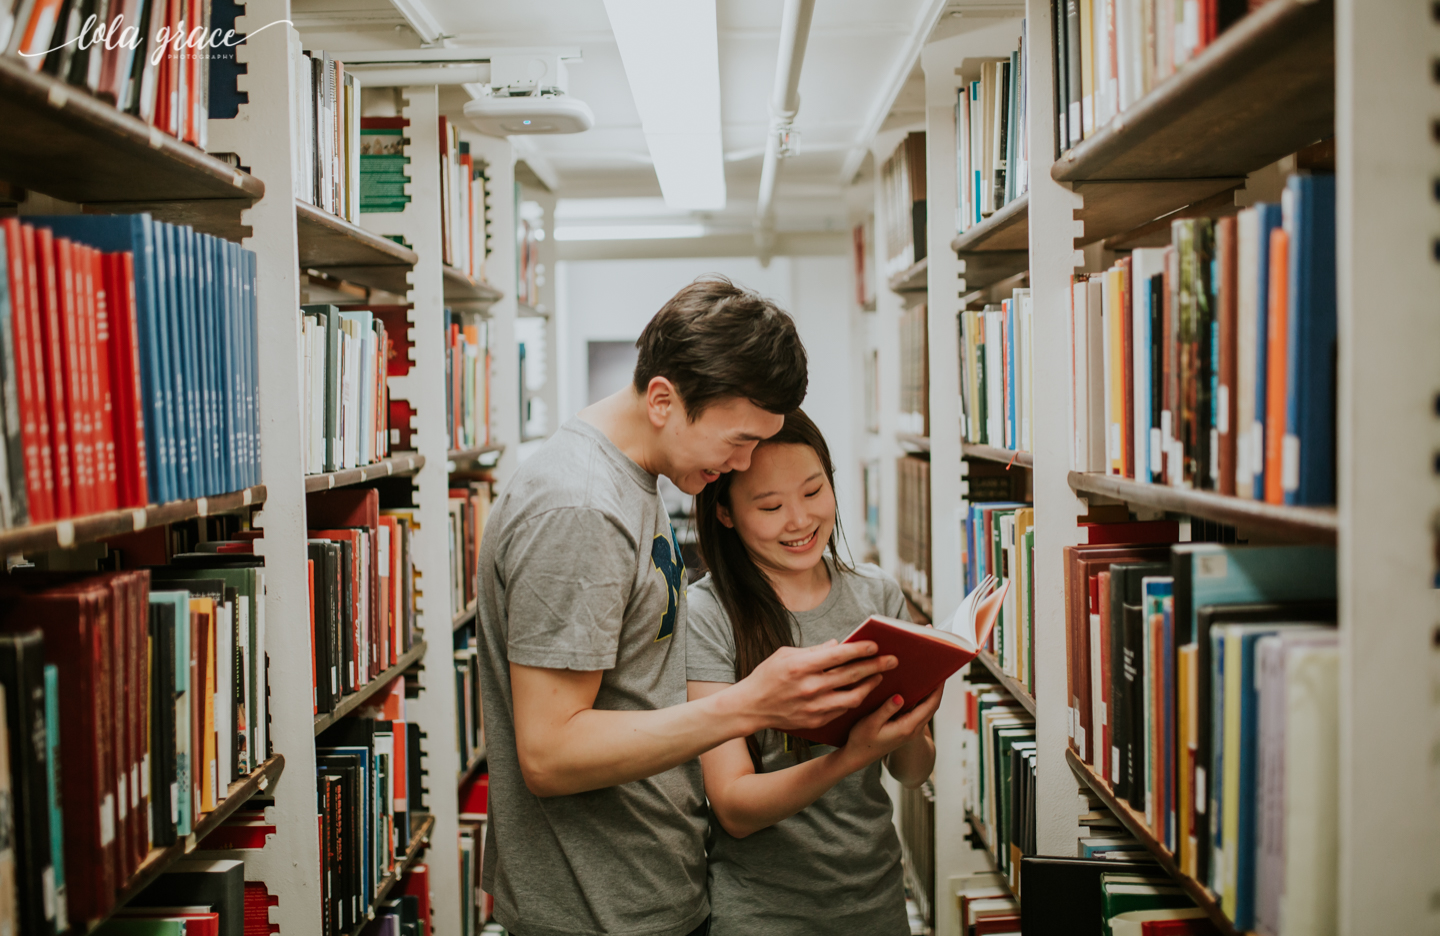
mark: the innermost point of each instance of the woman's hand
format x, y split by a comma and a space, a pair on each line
880, 732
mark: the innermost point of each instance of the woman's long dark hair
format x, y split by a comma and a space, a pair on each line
760, 621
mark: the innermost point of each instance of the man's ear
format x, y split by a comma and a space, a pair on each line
661, 399
722, 513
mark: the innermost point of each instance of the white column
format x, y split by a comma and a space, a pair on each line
261, 134
1389, 376
1052, 260
424, 387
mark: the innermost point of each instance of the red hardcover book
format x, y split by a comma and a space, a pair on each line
314, 673
130, 388
101, 383
52, 344
258, 902
928, 656
70, 269
1194, 926
28, 374
1144, 531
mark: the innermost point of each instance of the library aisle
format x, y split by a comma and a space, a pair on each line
1120, 335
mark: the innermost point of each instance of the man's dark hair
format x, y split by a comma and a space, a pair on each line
714, 340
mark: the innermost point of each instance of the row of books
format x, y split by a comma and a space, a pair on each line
326, 154
462, 203
195, 897
476, 906
1111, 53
862, 253
992, 140
345, 418
167, 87
469, 509
902, 200
129, 365
362, 615
405, 911
370, 792
469, 724
1211, 363
1203, 688
986, 905
998, 538
997, 373
998, 759
912, 514
532, 272
129, 713
467, 377
914, 415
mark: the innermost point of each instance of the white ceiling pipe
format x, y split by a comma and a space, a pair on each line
403, 76
785, 102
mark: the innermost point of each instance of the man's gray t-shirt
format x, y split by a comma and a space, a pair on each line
832, 869
579, 570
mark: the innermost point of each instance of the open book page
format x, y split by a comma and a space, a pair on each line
977, 613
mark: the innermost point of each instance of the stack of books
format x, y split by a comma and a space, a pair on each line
383, 176
467, 377
475, 904
998, 761
914, 415
998, 538
469, 509
992, 140
1210, 364
912, 538
345, 419
902, 196
996, 373
327, 127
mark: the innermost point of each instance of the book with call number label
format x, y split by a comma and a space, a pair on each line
928, 656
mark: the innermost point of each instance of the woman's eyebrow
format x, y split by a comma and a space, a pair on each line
764, 494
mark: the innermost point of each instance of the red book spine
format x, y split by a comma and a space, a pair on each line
125, 375
38, 493
314, 675
97, 350
73, 293
53, 344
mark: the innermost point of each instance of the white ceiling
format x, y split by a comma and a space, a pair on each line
858, 58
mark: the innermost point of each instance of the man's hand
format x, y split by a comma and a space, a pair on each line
799, 688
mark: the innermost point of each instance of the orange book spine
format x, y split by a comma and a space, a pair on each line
1275, 369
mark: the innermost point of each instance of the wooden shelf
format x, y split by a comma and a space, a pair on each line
991, 453
1134, 823
464, 617
996, 248
460, 287
914, 279
398, 465
470, 768
923, 603
1008, 682
470, 456
91, 528
337, 248
357, 698
913, 443
60, 140
1315, 524
1264, 89
160, 859
418, 841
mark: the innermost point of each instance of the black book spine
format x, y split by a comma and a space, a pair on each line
1061, 69
22, 670
1072, 44
347, 621
162, 721
319, 627
1207, 449
1116, 763
1133, 622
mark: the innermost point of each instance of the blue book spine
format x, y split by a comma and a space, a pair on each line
253, 320
1310, 373
52, 792
1244, 850
1269, 217
168, 264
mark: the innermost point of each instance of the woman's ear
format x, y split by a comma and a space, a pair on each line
722, 513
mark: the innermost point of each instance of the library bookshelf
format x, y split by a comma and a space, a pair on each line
1200, 145
71, 152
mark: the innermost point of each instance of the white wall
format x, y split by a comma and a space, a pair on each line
612, 300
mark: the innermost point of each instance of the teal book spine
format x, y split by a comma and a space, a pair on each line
52, 793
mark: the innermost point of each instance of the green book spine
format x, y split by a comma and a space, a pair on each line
52, 792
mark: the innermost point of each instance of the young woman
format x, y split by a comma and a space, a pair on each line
802, 839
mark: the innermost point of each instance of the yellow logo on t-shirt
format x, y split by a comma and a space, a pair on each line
665, 556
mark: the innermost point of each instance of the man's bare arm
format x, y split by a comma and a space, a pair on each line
566, 746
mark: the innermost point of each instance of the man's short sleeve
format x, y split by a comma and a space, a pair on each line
710, 644
569, 574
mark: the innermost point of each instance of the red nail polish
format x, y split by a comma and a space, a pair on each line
898, 700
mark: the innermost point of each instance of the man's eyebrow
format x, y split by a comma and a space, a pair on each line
748, 437
764, 494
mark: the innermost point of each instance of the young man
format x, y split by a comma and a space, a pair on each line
598, 819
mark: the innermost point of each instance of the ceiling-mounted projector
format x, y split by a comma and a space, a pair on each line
540, 113
526, 94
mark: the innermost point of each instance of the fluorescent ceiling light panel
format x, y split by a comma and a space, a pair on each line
595, 232
672, 60
607, 209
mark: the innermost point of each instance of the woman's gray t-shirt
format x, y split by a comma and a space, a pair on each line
833, 869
